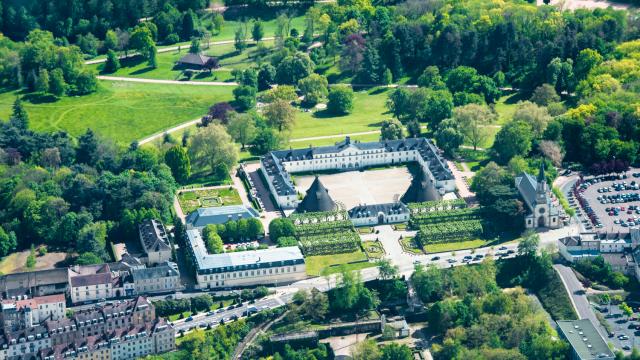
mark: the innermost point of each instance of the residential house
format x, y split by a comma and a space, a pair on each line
163, 278
155, 242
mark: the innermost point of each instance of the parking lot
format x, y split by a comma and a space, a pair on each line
610, 203
625, 330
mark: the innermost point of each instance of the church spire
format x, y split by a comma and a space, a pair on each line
541, 176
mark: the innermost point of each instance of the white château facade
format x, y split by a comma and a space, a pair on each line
348, 156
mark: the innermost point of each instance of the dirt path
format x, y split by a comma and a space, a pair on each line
585, 4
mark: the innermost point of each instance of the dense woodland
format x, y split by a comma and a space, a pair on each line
75, 195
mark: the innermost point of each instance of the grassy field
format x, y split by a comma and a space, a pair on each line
229, 59
120, 111
368, 113
16, 262
327, 264
192, 200
454, 246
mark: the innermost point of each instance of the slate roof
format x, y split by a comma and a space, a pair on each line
273, 161
585, 339
317, 199
90, 280
194, 59
364, 211
421, 189
527, 186
160, 271
219, 215
251, 259
153, 236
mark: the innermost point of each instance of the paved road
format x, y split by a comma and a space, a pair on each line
168, 82
578, 296
169, 131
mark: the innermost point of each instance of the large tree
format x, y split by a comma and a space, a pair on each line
340, 100
242, 128
314, 88
473, 120
391, 130
513, 139
212, 147
280, 115
178, 161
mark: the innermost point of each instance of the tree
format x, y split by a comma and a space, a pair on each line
85, 83
513, 139
88, 258
413, 128
212, 146
218, 22
221, 111
536, 116
314, 88
280, 114
387, 270
449, 136
560, 75
178, 161
431, 78
194, 48
8, 242
87, 151
257, 32
212, 239
544, 95
396, 351
266, 76
586, 60
93, 238
372, 68
366, 350
42, 82
242, 128
110, 40
189, 24
340, 100
280, 92
387, 77
266, 140
57, 85
19, 116
552, 151
293, 68
528, 246
245, 97
240, 41
51, 157
281, 227
391, 130
472, 120
142, 41
113, 63
31, 259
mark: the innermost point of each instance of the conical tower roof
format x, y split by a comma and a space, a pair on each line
317, 199
421, 189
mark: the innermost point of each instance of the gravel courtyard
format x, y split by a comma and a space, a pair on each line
361, 187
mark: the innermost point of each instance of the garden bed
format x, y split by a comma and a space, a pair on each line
190, 200
373, 249
410, 246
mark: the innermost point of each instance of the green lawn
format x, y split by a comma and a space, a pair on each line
454, 246
121, 111
373, 249
368, 113
192, 200
506, 107
229, 59
409, 245
332, 140
326, 264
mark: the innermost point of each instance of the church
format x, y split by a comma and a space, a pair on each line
542, 213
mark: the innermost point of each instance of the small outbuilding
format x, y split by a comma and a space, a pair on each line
198, 62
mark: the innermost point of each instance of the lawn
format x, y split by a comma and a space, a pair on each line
454, 246
192, 200
368, 113
121, 111
16, 262
506, 107
409, 245
229, 59
332, 140
331, 264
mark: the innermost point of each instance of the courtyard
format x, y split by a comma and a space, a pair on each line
361, 187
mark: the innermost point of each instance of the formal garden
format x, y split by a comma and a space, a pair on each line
190, 200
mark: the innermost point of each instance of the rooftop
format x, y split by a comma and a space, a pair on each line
220, 215
160, 271
248, 259
317, 199
89, 280
585, 339
361, 211
153, 236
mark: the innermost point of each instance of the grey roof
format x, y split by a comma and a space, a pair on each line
317, 199
527, 185
242, 259
585, 339
194, 59
273, 161
220, 215
363, 211
421, 189
160, 271
153, 236
89, 280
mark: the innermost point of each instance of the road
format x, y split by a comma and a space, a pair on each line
167, 82
578, 296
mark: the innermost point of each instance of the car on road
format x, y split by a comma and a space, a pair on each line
220, 310
509, 252
502, 248
451, 261
234, 317
211, 313
623, 337
190, 318
435, 258
202, 325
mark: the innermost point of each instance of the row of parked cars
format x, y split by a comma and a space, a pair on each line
621, 186
619, 198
